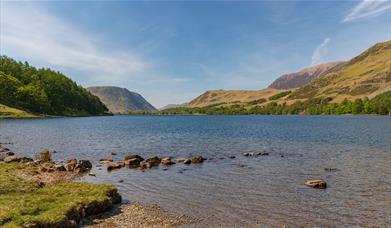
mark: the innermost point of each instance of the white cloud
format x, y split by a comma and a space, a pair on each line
320, 52
367, 8
29, 31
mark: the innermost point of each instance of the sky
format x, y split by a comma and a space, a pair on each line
172, 51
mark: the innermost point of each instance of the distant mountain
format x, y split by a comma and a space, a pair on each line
121, 100
172, 106
303, 77
213, 97
366, 75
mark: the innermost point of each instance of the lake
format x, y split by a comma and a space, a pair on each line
245, 191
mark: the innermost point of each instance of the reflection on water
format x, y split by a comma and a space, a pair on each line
266, 190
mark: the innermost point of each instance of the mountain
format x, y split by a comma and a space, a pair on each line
121, 100
303, 77
172, 106
44, 91
366, 75
213, 97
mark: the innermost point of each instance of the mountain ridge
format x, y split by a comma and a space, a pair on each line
121, 100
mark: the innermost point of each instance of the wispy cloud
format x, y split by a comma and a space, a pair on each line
320, 52
28, 30
368, 8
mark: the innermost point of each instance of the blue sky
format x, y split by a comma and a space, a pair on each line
171, 52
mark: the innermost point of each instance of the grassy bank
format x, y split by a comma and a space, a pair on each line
25, 202
13, 113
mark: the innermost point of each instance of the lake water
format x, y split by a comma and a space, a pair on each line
246, 191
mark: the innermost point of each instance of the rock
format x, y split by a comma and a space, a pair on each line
113, 165
134, 156
105, 160
45, 155
85, 163
10, 153
132, 162
120, 181
154, 161
262, 154
167, 161
70, 165
92, 174
232, 156
26, 159
183, 160
3, 149
113, 153
59, 167
198, 159
330, 169
316, 184
10, 159
79, 168
248, 154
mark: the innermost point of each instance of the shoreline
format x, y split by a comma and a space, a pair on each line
62, 202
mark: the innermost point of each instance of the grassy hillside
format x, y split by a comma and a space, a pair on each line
214, 97
366, 75
121, 100
44, 91
11, 113
303, 77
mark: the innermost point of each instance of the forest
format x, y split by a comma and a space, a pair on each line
44, 91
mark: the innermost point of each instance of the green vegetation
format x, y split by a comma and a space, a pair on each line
279, 95
380, 104
23, 202
44, 91
12, 113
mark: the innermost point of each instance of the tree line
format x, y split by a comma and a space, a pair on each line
44, 91
381, 105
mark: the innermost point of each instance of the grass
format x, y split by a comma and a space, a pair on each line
13, 113
24, 202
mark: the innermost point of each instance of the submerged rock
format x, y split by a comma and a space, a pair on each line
198, 159
330, 169
232, 157
183, 160
316, 184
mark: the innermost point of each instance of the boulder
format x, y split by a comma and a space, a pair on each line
11, 159
130, 156
113, 165
59, 167
92, 174
330, 169
262, 154
154, 161
113, 153
3, 149
26, 159
79, 168
85, 163
70, 165
10, 153
316, 184
183, 160
167, 161
232, 156
132, 162
248, 154
105, 160
198, 159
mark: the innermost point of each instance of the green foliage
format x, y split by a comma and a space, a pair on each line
380, 104
279, 95
44, 91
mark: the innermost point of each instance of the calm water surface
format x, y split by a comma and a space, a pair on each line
263, 191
